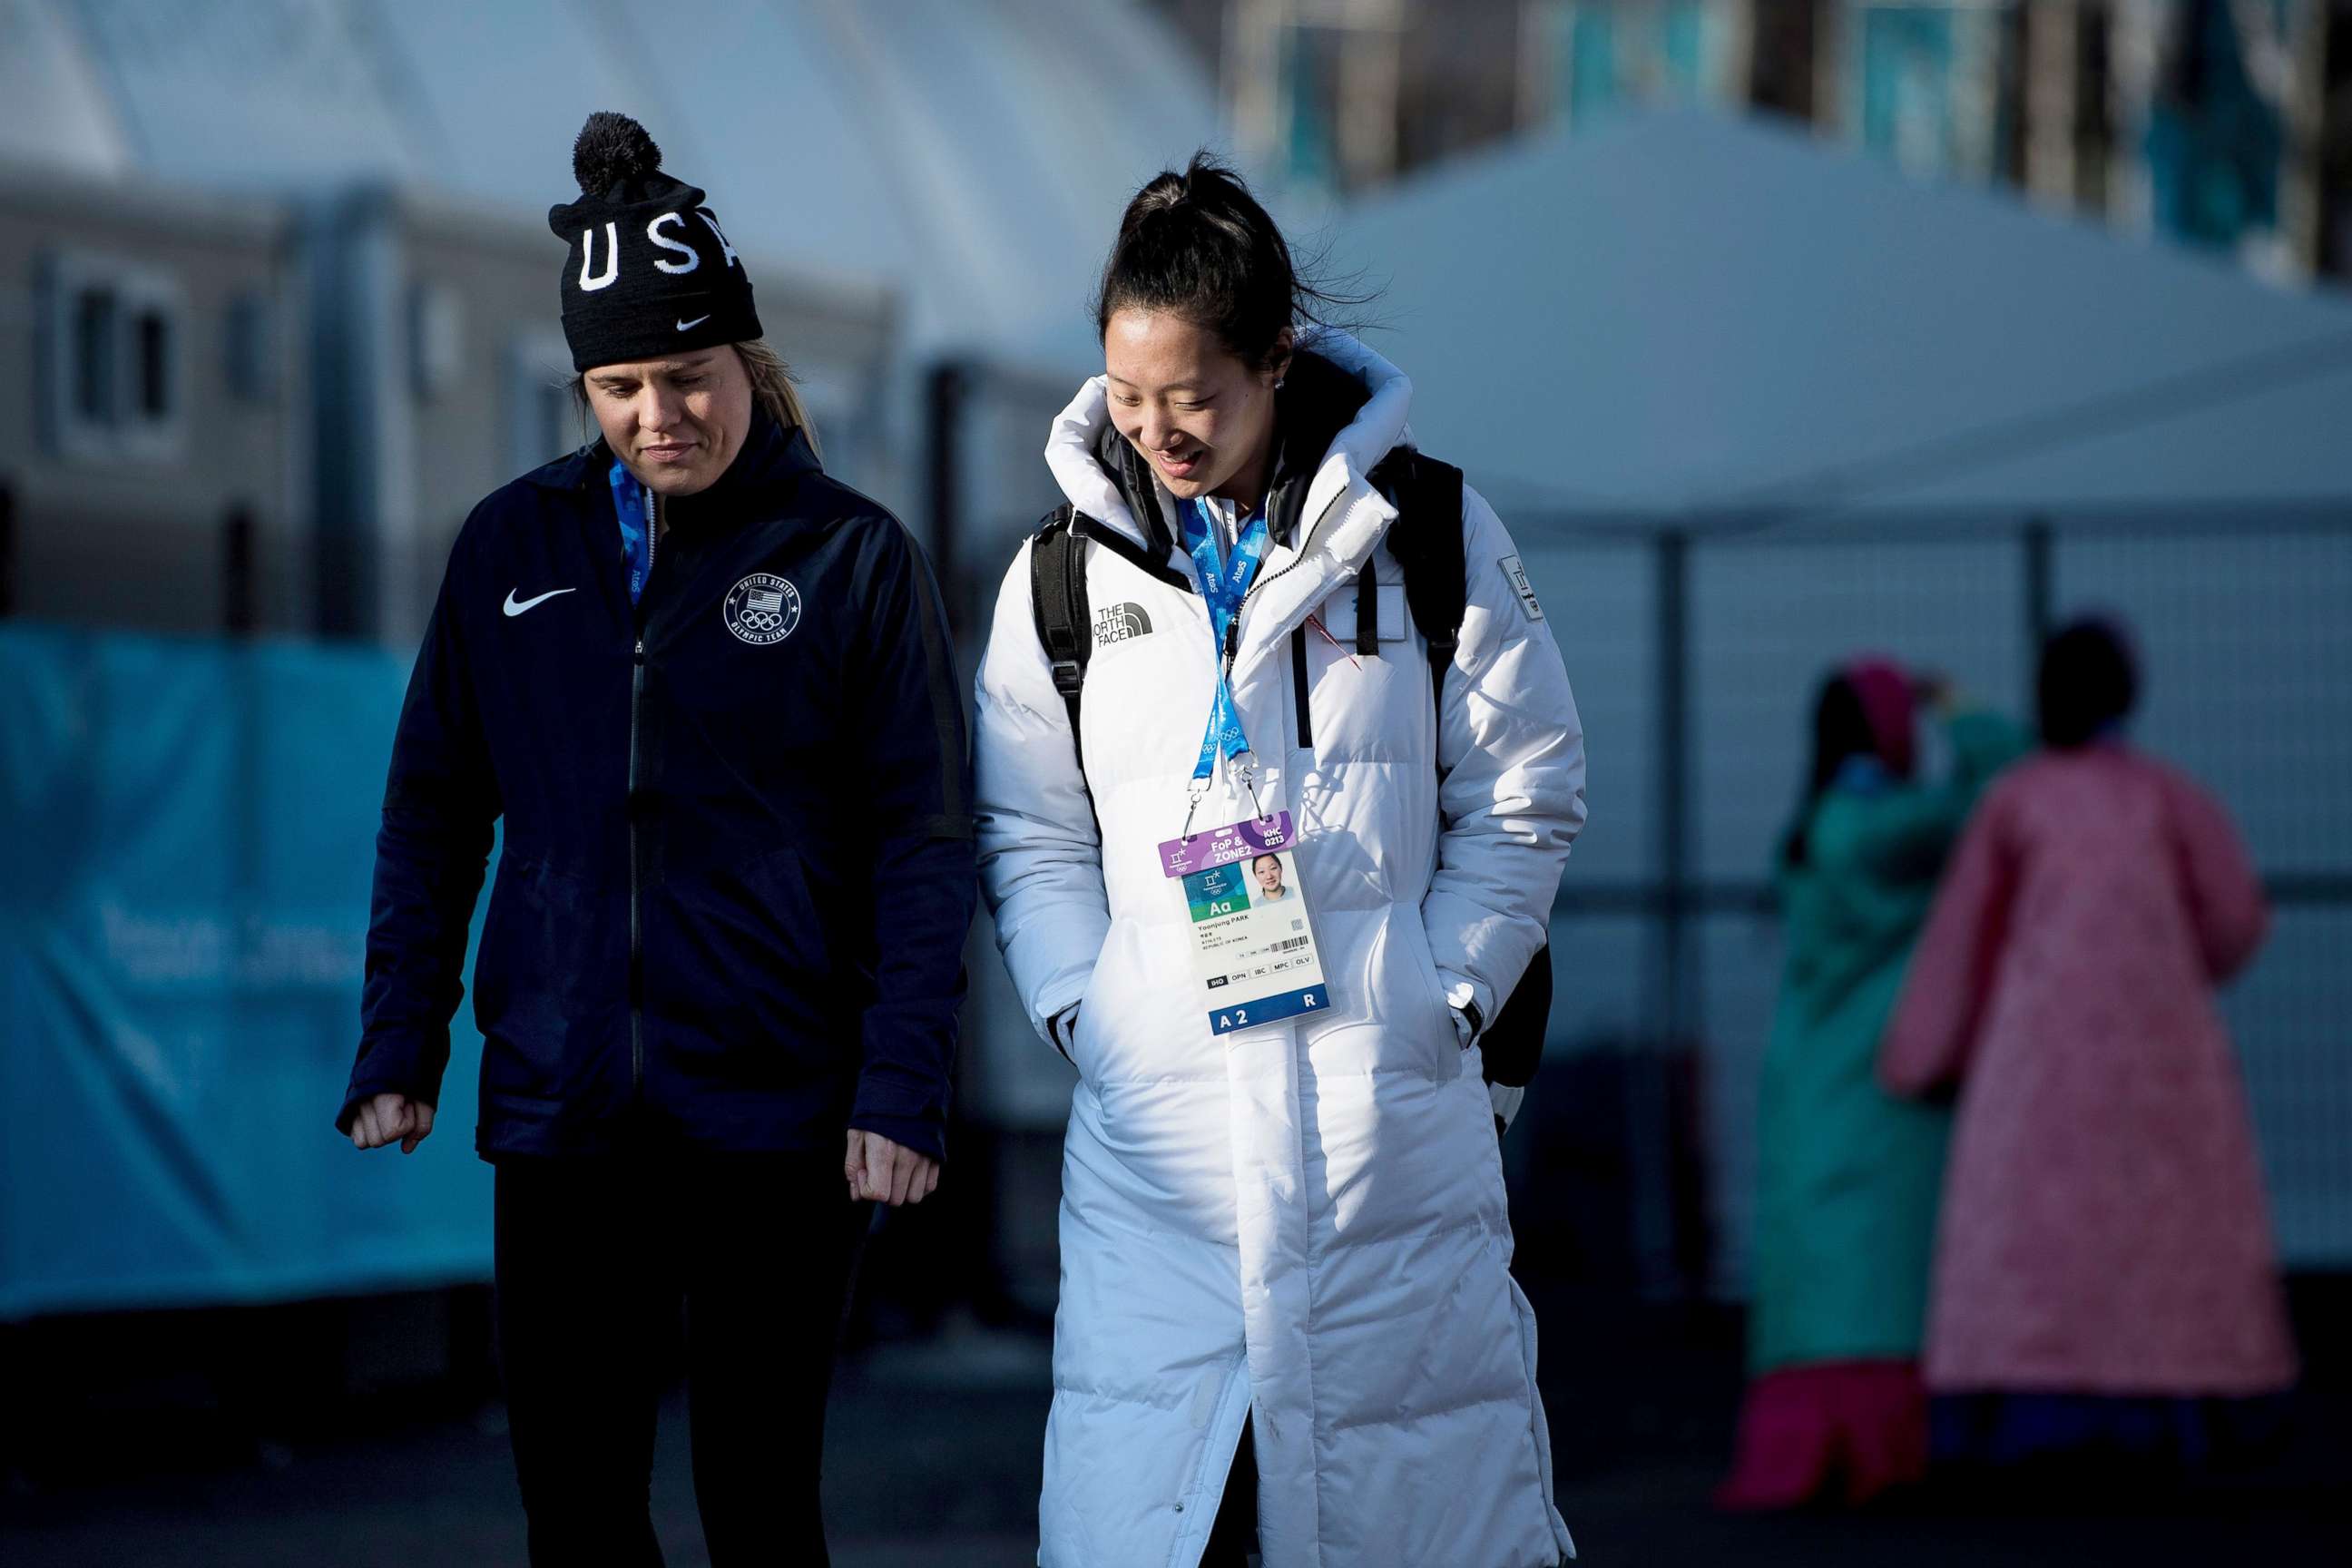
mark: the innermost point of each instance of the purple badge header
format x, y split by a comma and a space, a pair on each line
1224, 845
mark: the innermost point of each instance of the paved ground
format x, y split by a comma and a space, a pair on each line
935, 1464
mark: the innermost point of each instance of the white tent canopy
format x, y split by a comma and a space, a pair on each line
974, 154
1686, 315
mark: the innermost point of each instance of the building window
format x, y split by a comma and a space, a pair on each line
153, 338
94, 314
112, 377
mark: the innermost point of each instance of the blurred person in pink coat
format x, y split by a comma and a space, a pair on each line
2105, 1282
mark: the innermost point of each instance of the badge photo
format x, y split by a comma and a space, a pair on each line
1254, 948
761, 609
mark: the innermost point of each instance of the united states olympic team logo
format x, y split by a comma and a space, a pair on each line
761, 609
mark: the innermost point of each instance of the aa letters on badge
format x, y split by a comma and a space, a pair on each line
1252, 945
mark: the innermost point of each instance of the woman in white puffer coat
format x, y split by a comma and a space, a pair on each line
1285, 1250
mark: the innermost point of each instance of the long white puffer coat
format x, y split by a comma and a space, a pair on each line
1305, 1220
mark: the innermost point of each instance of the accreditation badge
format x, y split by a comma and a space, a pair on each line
1252, 945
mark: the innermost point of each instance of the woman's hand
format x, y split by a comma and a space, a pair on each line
879, 1171
390, 1117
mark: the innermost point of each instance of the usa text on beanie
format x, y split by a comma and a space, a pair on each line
650, 273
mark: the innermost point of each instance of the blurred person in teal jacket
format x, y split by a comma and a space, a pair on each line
1849, 1175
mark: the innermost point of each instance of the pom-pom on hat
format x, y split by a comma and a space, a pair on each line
650, 272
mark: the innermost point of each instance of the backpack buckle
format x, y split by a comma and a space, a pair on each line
1069, 676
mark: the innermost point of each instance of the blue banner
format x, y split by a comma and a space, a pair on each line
183, 916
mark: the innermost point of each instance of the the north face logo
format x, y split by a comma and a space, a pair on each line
1121, 622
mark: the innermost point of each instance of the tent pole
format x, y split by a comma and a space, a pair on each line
1673, 654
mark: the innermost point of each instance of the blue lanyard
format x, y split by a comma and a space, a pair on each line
1224, 584
634, 505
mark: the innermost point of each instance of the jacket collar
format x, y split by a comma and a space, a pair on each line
1317, 401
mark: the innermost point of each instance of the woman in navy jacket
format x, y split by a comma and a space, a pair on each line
711, 694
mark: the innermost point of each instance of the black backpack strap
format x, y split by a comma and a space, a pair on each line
1427, 542
1058, 603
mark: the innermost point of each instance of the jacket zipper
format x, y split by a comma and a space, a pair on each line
652, 536
637, 922
637, 930
1233, 627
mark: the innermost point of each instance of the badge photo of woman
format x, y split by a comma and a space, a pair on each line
1287, 1324
1268, 869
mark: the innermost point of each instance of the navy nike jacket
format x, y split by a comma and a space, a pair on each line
738, 861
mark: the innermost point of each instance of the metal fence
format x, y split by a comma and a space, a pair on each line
1696, 651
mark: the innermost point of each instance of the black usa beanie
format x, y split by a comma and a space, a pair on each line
650, 273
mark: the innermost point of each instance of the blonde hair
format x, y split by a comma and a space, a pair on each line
772, 389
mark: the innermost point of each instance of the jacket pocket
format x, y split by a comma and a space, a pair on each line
1086, 1034
778, 886
739, 960
539, 958
1444, 1051
787, 977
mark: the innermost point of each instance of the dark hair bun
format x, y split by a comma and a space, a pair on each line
1198, 245
611, 149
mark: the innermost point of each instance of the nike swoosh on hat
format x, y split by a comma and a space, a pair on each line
697, 320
